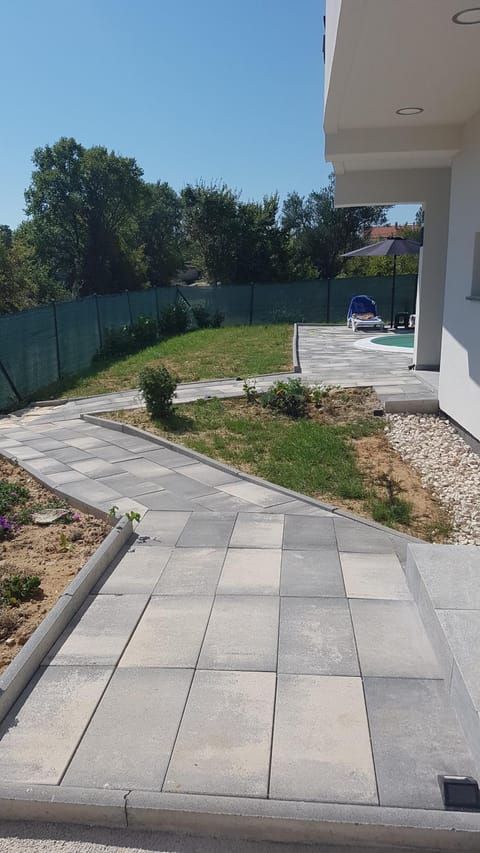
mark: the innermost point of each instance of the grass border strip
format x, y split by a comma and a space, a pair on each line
24, 665
251, 478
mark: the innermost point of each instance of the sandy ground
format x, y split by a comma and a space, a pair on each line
55, 553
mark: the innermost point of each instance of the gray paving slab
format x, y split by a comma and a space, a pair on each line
223, 746
23, 452
297, 507
129, 485
255, 493
133, 443
316, 637
99, 632
257, 530
41, 732
130, 739
361, 538
164, 527
43, 444
208, 475
462, 630
90, 491
391, 640
114, 453
185, 487
137, 572
251, 571
170, 458
164, 499
144, 469
312, 573
95, 468
67, 476
221, 502
416, 736
451, 582
321, 744
307, 532
170, 632
191, 571
85, 442
44, 465
124, 505
242, 634
374, 576
203, 530
69, 454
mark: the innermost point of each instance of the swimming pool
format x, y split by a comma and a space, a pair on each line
405, 341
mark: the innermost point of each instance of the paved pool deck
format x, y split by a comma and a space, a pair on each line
249, 649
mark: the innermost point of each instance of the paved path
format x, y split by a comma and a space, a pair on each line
247, 643
270, 648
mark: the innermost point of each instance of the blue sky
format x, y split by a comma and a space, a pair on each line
213, 89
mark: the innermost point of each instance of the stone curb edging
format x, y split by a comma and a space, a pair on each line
24, 665
254, 819
251, 478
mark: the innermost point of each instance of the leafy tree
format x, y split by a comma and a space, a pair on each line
211, 228
83, 204
161, 232
24, 283
320, 233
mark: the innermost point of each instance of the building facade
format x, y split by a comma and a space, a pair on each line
402, 125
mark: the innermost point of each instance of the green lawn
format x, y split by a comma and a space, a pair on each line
314, 458
204, 354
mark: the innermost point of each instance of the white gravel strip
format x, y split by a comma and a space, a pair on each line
447, 466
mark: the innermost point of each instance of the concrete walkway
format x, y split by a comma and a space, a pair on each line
247, 644
248, 647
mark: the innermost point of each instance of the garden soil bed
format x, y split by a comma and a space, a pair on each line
55, 553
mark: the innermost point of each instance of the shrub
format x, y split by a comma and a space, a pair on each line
19, 587
158, 388
250, 390
205, 320
201, 316
11, 496
174, 319
289, 398
125, 340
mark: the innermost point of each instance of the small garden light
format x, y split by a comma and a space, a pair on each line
460, 793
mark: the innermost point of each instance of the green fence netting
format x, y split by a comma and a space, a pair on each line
40, 346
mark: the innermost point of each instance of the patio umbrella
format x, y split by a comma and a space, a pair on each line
394, 246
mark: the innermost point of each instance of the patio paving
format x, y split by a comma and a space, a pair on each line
247, 643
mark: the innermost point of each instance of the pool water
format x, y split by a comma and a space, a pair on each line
395, 341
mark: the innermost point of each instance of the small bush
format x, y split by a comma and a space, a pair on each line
205, 320
8, 622
19, 587
126, 339
289, 398
174, 319
250, 390
12, 495
396, 511
158, 388
201, 316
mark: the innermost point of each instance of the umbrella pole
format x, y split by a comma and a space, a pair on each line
392, 308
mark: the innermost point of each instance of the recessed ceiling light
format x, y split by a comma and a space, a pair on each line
409, 111
467, 16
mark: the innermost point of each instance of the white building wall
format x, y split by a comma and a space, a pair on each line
459, 390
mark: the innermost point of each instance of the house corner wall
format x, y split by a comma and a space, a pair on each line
459, 386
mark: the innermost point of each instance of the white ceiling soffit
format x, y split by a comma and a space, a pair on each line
391, 54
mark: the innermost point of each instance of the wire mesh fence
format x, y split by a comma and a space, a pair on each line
40, 346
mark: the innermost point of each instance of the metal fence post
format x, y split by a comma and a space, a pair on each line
9, 381
57, 342
250, 311
99, 323
129, 307
328, 300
